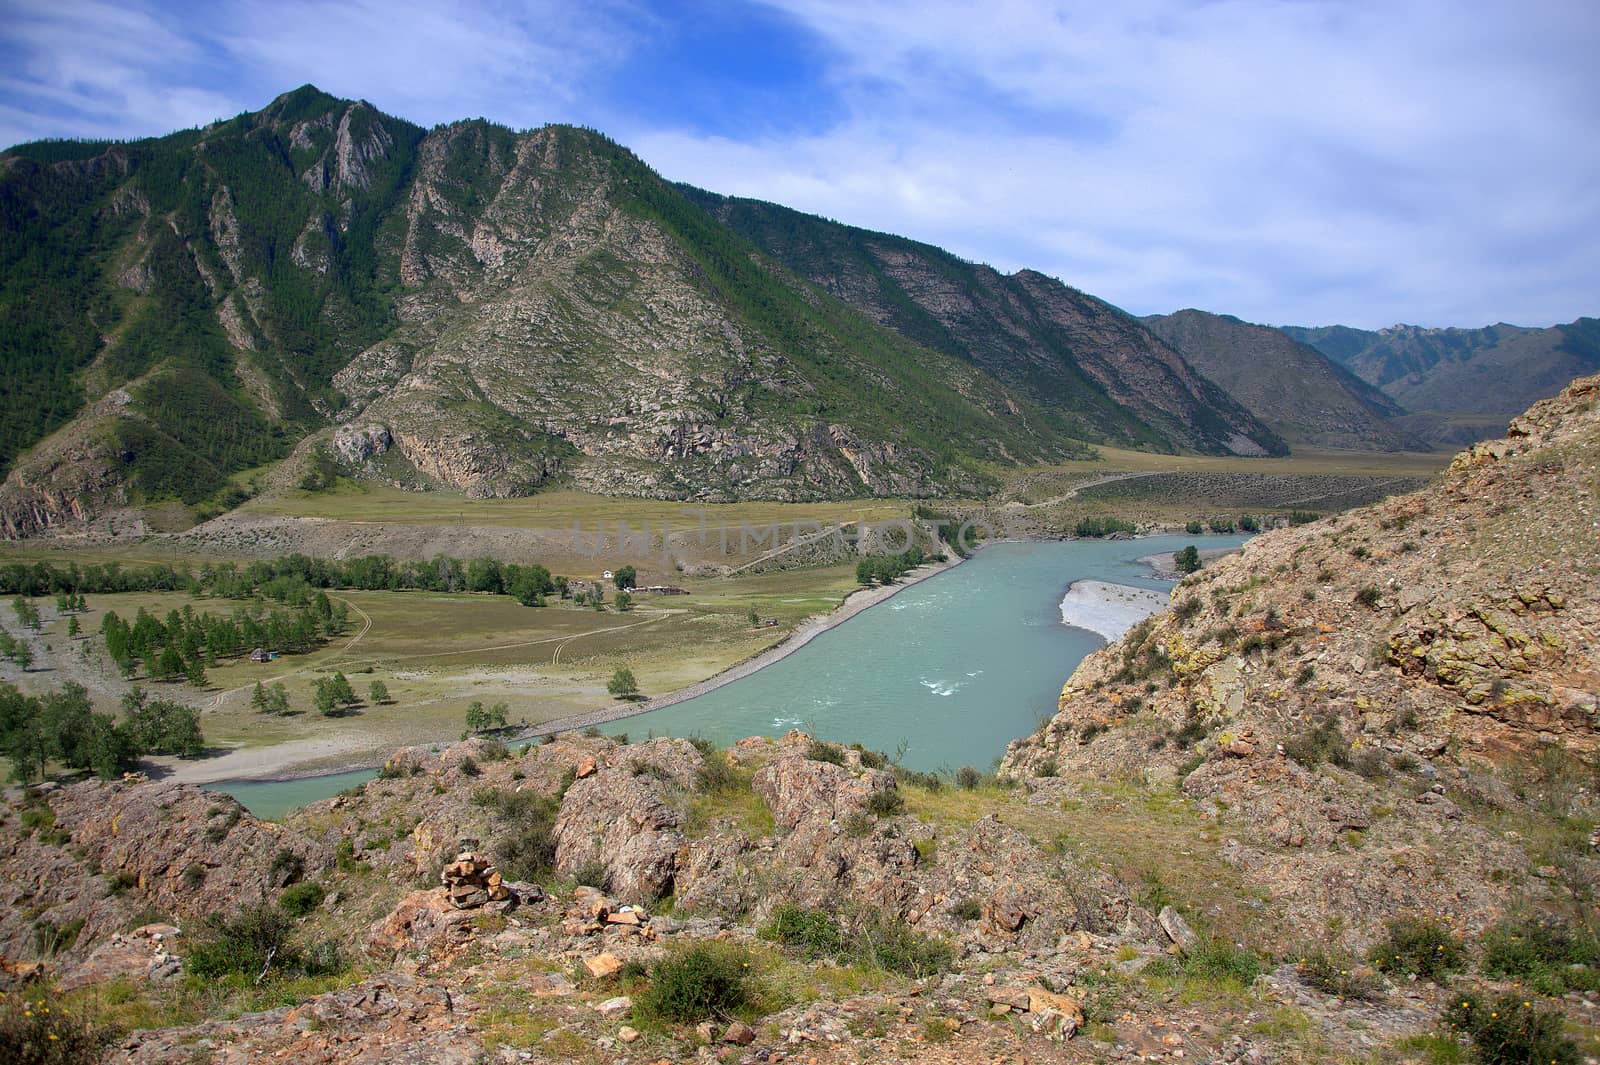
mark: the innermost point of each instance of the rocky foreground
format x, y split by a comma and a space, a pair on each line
1384, 717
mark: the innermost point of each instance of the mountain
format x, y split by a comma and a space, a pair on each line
1297, 390
1100, 373
1350, 698
1462, 383
1337, 798
492, 311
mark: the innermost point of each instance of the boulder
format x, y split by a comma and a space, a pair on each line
603, 965
624, 822
796, 787
424, 922
1178, 930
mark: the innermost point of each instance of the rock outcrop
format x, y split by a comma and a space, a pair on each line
627, 818
1342, 696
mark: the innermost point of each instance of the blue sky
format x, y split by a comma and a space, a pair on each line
1287, 161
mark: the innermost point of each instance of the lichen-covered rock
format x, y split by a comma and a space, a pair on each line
424, 923
796, 787
628, 821
1337, 694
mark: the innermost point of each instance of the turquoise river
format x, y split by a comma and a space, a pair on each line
948, 671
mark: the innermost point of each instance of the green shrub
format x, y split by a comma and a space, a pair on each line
1418, 945
286, 866
1511, 1030
1321, 743
1220, 961
36, 1030
1103, 526
300, 899
1549, 954
886, 803
825, 752
918, 778
812, 931
881, 941
717, 776
1369, 597
870, 759
525, 845
251, 943
968, 778
869, 937
1371, 763
49, 938
709, 980
968, 909
593, 874
1341, 975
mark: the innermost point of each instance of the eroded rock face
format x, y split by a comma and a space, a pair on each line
1338, 695
189, 852
357, 444
120, 848
796, 787
627, 818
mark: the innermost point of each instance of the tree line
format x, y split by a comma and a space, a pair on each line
283, 578
189, 640
886, 569
62, 727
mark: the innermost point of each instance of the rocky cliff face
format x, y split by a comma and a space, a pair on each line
1413, 672
1095, 370
1300, 392
517, 309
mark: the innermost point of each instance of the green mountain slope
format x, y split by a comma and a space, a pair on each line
195, 291
1297, 390
487, 310
1095, 370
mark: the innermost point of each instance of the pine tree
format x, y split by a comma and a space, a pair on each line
170, 664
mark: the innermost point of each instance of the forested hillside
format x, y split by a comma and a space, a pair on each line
494, 311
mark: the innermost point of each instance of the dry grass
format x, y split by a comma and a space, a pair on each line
437, 653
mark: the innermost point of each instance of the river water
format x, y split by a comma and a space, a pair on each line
951, 669
947, 672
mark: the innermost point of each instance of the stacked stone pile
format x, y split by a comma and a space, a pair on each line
472, 881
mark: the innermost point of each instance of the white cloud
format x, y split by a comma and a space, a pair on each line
1284, 160
100, 70
93, 68
1310, 162
432, 62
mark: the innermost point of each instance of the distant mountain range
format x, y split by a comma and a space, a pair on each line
1296, 389
491, 311
1462, 384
